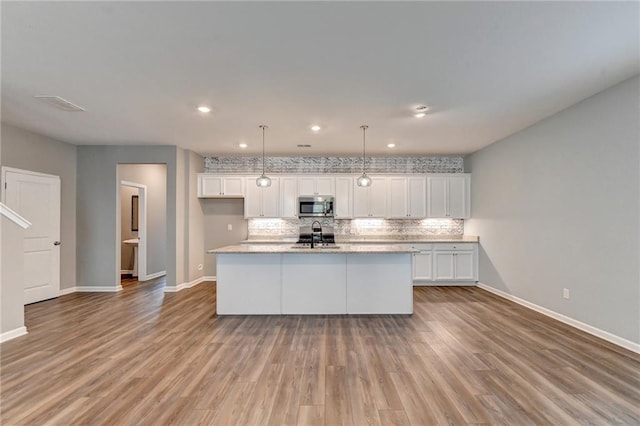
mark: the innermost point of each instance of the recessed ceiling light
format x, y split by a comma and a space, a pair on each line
315, 128
420, 115
243, 145
391, 145
204, 108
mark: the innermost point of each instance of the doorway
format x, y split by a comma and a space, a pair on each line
141, 222
36, 197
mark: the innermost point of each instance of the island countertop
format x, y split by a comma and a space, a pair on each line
374, 239
290, 248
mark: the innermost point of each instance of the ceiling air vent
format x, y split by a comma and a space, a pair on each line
304, 146
60, 103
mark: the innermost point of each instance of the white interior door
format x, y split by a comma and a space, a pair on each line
37, 198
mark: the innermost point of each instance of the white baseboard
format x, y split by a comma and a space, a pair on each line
68, 290
173, 289
98, 289
12, 334
126, 272
605, 335
155, 275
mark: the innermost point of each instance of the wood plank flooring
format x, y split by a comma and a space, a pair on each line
464, 357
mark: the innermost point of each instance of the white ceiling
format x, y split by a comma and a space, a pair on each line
140, 69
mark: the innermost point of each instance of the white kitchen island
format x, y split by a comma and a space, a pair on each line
280, 279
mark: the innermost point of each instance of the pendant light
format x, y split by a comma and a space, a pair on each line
263, 181
364, 180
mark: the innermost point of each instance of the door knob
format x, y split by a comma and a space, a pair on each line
57, 243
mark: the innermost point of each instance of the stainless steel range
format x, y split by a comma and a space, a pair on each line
316, 236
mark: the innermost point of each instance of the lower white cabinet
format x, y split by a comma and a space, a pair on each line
423, 262
445, 263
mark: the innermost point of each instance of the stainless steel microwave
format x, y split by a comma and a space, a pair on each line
316, 206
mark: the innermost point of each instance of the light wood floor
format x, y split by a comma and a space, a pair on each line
464, 357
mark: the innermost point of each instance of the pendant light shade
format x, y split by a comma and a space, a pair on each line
364, 180
263, 181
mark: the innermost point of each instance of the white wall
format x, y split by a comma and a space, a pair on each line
557, 206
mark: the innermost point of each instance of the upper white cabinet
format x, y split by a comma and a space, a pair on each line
262, 202
217, 186
316, 185
449, 196
406, 197
370, 201
288, 197
343, 207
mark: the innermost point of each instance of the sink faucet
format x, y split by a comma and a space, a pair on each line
313, 232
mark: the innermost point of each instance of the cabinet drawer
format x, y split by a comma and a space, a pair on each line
422, 246
454, 246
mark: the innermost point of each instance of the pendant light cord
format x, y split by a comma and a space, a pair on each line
364, 128
262, 126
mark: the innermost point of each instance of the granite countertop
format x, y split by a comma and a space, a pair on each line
373, 239
289, 248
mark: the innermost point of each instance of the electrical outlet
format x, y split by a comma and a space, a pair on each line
229, 227
200, 267
565, 293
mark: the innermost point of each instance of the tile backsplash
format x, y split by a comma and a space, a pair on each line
357, 227
334, 164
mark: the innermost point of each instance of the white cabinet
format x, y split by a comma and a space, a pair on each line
406, 197
216, 186
370, 201
288, 197
262, 202
316, 185
455, 262
423, 262
343, 207
449, 196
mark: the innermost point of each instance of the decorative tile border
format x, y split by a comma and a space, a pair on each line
289, 228
334, 164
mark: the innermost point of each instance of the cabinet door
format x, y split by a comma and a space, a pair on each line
343, 198
233, 186
209, 186
252, 199
398, 198
436, 197
306, 186
271, 199
444, 265
378, 197
417, 197
464, 268
423, 266
360, 200
288, 197
458, 195
325, 186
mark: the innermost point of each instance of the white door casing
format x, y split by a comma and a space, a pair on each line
36, 196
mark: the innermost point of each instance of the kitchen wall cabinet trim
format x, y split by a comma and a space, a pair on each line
217, 186
262, 202
449, 196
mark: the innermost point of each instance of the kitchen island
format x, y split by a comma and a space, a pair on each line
279, 279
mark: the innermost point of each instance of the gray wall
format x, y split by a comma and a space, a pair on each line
557, 206
98, 205
154, 177
217, 215
11, 277
22, 149
194, 218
